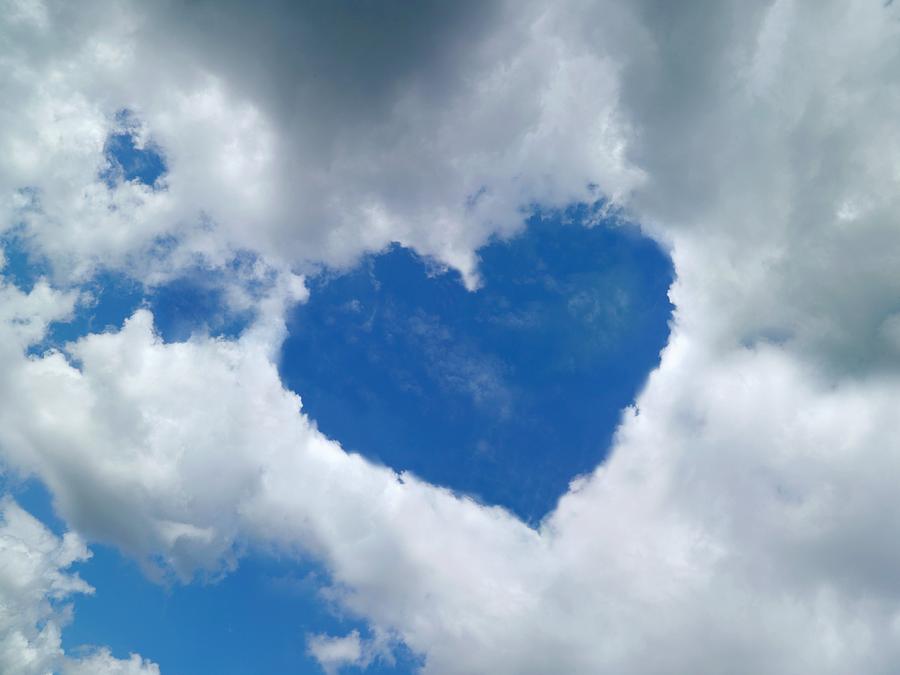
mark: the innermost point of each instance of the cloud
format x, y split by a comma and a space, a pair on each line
764, 131
673, 543
33, 584
335, 653
102, 663
743, 522
258, 115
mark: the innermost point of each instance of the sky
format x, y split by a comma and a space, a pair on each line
449, 338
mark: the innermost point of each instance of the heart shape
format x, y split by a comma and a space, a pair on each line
506, 393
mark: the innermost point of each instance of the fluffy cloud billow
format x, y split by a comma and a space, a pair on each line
745, 519
33, 581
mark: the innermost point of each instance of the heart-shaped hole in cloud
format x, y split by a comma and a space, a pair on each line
506, 393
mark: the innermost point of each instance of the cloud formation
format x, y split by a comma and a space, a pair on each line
334, 653
308, 135
744, 522
33, 583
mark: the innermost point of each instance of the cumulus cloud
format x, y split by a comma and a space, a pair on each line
674, 543
767, 130
744, 521
309, 135
33, 583
103, 663
334, 653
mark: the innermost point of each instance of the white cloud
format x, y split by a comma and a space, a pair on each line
755, 549
744, 521
335, 653
103, 663
33, 584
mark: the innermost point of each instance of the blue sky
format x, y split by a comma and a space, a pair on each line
505, 393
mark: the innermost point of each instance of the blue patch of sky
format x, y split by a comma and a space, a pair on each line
127, 159
505, 393
191, 303
255, 620
196, 301
21, 268
108, 299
